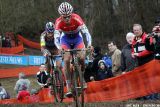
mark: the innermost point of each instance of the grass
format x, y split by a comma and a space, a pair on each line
9, 83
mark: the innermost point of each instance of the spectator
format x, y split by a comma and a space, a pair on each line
22, 82
0, 40
23, 93
97, 56
6, 41
3, 93
139, 50
155, 45
104, 72
108, 61
88, 72
42, 76
128, 63
116, 58
3, 41
88, 69
138, 46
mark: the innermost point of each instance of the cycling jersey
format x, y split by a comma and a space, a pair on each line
71, 30
46, 41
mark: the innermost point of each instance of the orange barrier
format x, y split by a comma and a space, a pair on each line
20, 48
142, 81
31, 70
29, 43
9, 101
12, 50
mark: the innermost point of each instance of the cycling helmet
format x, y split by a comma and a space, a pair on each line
65, 9
49, 27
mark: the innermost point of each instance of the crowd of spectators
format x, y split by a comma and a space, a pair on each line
140, 49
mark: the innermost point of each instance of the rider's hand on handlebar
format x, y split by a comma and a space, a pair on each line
46, 52
90, 48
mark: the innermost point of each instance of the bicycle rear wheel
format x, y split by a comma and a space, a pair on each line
58, 86
78, 93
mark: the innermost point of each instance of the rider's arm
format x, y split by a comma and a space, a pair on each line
83, 28
85, 31
42, 41
44, 50
57, 35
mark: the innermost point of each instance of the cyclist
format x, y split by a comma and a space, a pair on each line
48, 46
68, 29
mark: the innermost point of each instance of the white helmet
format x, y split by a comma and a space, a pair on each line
65, 9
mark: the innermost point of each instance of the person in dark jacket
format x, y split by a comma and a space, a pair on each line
42, 76
155, 44
97, 56
128, 63
104, 72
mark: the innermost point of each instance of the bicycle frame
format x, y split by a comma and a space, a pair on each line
76, 78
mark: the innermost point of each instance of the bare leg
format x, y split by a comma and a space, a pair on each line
67, 70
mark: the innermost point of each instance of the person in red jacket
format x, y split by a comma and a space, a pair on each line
138, 46
23, 93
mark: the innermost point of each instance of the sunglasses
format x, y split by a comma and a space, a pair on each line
66, 17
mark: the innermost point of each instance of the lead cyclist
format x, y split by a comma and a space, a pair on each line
68, 29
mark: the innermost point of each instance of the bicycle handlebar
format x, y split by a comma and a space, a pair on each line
74, 50
55, 56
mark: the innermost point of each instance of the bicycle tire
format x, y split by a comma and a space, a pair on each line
78, 93
57, 86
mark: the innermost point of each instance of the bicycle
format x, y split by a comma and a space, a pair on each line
77, 79
56, 81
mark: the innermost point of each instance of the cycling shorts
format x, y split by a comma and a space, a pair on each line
72, 41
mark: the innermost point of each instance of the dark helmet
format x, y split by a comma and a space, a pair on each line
49, 27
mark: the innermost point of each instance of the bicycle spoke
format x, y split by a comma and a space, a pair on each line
59, 92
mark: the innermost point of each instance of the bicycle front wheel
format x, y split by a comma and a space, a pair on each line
78, 92
58, 86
